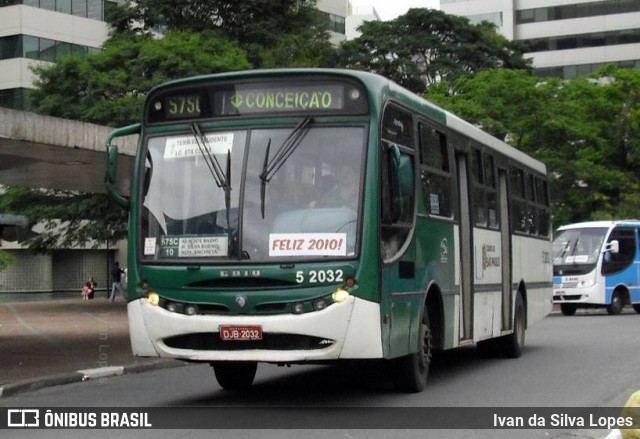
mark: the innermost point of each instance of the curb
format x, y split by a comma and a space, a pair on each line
31, 384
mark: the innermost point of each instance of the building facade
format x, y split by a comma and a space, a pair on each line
33, 31
566, 38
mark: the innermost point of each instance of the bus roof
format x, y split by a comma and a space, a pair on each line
387, 88
600, 224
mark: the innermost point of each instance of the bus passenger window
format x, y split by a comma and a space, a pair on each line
544, 212
520, 212
434, 173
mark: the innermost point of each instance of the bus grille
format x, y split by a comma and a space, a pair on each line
211, 341
567, 297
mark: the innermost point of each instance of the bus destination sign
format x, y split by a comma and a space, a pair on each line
251, 99
258, 98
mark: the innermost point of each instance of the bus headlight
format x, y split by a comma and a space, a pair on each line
340, 295
153, 299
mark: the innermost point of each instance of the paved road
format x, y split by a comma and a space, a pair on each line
54, 339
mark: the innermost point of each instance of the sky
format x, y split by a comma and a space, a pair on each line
390, 9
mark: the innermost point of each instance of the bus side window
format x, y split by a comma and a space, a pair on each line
615, 262
434, 172
519, 218
544, 211
397, 181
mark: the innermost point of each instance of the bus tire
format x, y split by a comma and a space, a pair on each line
234, 375
513, 344
636, 308
411, 371
568, 309
617, 303
510, 345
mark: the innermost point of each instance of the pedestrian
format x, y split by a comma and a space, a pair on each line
116, 276
85, 291
92, 287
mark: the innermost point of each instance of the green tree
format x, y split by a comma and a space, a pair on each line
6, 260
108, 88
586, 130
68, 218
256, 25
426, 45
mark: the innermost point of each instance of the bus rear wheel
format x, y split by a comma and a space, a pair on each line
411, 371
510, 345
636, 308
233, 375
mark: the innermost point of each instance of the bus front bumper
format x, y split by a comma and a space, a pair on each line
349, 330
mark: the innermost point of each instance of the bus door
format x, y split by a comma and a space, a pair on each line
400, 302
465, 250
505, 232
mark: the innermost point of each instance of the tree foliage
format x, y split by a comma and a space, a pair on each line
6, 260
586, 130
255, 25
108, 87
426, 45
69, 219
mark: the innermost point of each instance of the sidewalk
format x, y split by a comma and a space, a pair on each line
45, 343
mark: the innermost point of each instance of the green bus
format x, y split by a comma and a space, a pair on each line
295, 216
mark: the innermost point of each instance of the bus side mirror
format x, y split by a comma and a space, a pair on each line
111, 171
613, 247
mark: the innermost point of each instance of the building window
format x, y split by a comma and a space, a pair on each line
336, 22
574, 71
42, 49
93, 9
14, 98
581, 41
581, 10
493, 18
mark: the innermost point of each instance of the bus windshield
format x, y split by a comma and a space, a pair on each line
578, 248
267, 194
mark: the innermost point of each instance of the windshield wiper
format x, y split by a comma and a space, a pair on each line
271, 167
221, 178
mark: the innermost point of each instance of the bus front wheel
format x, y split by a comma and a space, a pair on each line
233, 375
616, 304
568, 309
411, 371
